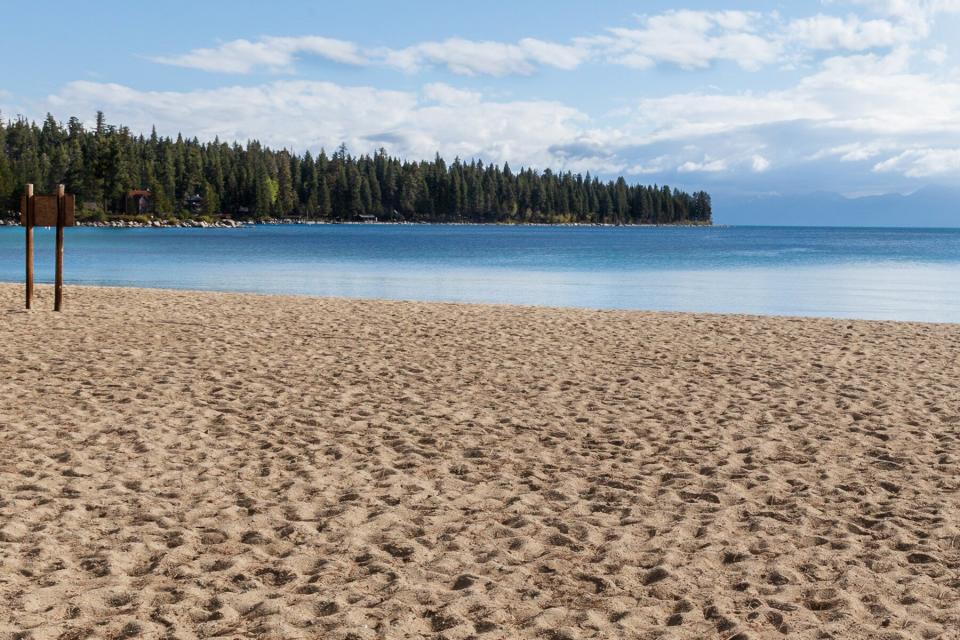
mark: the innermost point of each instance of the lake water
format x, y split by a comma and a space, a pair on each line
904, 274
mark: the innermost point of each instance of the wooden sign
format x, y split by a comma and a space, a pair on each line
45, 211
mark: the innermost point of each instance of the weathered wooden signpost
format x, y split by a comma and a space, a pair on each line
47, 211
26, 219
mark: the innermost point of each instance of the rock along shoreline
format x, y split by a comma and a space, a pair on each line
228, 223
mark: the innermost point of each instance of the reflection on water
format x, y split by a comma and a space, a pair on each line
860, 273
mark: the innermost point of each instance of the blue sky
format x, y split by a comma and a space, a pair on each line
854, 96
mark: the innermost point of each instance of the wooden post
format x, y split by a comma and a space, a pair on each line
61, 219
27, 214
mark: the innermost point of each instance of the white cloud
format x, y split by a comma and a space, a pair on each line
553, 54
276, 54
688, 115
707, 165
937, 55
822, 32
445, 94
652, 166
864, 94
911, 10
852, 109
759, 164
880, 95
302, 114
697, 39
688, 39
471, 57
922, 163
884, 107
855, 151
466, 57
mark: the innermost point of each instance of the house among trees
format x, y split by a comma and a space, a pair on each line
367, 217
138, 202
193, 204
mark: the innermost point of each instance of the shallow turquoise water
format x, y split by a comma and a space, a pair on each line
905, 274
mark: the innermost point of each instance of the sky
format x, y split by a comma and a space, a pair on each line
858, 97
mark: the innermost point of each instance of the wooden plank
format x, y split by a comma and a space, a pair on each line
26, 219
45, 211
61, 219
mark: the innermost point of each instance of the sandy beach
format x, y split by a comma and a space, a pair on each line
194, 465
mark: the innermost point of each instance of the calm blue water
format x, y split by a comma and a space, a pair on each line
902, 274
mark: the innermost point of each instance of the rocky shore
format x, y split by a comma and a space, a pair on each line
233, 224
156, 224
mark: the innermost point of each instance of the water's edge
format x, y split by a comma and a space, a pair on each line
878, 274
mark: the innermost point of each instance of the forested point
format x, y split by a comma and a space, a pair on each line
113, 172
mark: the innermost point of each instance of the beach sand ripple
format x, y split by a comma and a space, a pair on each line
193, 465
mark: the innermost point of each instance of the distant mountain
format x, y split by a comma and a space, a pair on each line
928, 207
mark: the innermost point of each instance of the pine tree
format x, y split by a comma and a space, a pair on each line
376, 197
409, 193
101, 164
266, 192
285, 197
113, 170
7, 186
324, 204
353, 192
211, 199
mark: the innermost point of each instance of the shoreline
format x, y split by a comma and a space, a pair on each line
412, 301
230, 223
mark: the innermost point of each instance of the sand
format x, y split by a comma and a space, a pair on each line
188, 465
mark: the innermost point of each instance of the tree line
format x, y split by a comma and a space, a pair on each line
187, 177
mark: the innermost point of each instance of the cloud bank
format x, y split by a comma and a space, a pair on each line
687, 39
853, 110
871, 104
